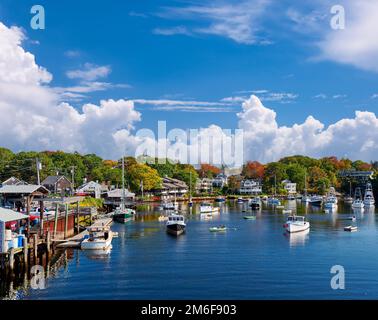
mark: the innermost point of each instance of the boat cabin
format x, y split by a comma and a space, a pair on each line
296, 218
175, 218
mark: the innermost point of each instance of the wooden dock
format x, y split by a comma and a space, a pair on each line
75, 241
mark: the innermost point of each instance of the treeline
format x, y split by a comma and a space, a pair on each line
319, 174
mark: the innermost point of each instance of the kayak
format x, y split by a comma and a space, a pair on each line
250, 218
218, 229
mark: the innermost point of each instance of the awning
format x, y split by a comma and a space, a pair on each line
7, 215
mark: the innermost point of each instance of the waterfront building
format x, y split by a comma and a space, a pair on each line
249, 186
113, 198
172, 188
91, 188
290, 187
220, 181
57, 184
12, 181
204, 185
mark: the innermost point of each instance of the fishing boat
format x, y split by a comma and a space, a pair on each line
255, 203
123, 214
176, 224
207, 208
98, 238
168, 205
316, 200
240, 200
331, 199
296, 224
358, 202
369, 200
351, 228
218, 229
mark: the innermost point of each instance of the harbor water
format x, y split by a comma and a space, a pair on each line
253, 259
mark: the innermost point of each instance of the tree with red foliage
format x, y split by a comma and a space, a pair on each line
253, 170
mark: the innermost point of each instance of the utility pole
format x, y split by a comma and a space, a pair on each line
73, 179
39, 167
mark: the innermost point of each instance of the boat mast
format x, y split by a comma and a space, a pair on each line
123, 184
190, 187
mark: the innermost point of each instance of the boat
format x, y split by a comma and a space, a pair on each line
352, 218
240, 200
255, 203
98, 238
358, 202
162, 218
296, 224
123, 214
291, 197
349, 199
206, 207
220, 199
273, 200
168, 205
331, 199
305, 198
316, 200
351, 228
176, 224
249, 218
218, 229
287, 211
369, 200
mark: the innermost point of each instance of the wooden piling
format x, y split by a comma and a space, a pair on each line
77, 218
56, 219
48, 243
35, 247
26, 251
66, 222
11, 259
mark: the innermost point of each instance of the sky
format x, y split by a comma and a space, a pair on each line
102, 70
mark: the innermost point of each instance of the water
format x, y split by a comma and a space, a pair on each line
256, 260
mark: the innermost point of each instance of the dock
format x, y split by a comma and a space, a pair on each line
75, 241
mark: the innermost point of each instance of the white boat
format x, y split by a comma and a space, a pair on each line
207, 208
351, 228
369, 200
170, 205
255, 203
274, 201
99, 238
176, 224
305, 198
331, 199
316, 200
358, 203
296, 224
349, 199
288, 211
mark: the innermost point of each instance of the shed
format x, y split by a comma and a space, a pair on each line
7, 215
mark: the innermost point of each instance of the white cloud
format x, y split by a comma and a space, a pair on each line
90, 72
172, 31
237, 21
357, 44
265, 140
32, 117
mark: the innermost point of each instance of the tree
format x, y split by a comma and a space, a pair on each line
253, 170
186, 173
137, 173
208, 171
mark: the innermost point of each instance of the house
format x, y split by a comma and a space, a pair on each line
113, 198
220, 181
91, 188
12, 181
20, 196
57, 184
290, 187
172, 188
249, 186
204, 185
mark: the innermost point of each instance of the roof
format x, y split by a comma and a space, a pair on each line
13, 181
91, 185
7, 215
117, 193
22, 189
51, 180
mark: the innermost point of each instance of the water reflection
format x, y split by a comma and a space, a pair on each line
298, 238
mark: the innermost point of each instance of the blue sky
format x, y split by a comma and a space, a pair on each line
205, 52
200, 67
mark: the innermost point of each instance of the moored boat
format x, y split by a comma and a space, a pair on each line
255, 203
176, 224
208, 208
218, 229
316, 200
358, 202
369, 200
296, 224
98, 238
351, 228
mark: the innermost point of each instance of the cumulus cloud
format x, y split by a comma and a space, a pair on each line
34, 118
266, 140
357, 44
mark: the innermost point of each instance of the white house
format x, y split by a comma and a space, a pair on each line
250, 187
204, 185
220, 181
90, 188
290, 187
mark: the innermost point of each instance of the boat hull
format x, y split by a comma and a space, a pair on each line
97, 244
123, 217
295, 227
175, 229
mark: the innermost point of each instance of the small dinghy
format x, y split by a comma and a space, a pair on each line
287, 211
351, 228
218, 229
250, 217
